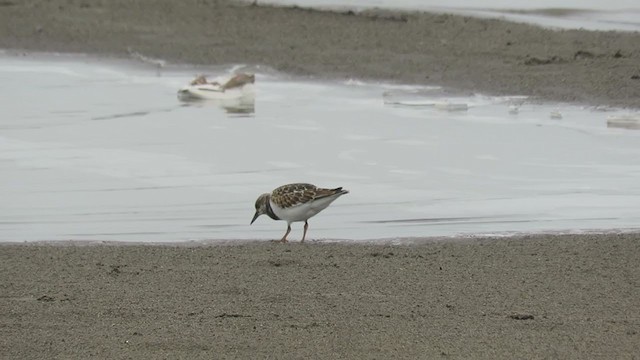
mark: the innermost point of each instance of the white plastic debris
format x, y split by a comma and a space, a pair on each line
629, 121
555, 115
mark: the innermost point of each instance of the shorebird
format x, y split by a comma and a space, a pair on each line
295, 202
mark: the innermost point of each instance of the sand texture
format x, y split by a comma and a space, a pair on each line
565, 297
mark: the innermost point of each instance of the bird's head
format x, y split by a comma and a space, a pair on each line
261, 206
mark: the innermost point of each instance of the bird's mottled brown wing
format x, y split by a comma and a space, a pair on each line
287, 196
293, 194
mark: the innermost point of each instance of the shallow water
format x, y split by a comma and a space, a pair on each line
572, 14
92, 149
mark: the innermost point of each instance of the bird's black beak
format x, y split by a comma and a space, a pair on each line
254, 217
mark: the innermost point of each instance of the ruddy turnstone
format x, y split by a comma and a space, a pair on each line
295, 202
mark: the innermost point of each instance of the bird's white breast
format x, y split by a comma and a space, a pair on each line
303, 211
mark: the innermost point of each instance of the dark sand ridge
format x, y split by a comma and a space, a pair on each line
463, 53
565, 297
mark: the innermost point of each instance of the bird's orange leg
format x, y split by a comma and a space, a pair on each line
304, 234
284, 238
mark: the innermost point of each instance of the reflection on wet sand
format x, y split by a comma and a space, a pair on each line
239, 106
161, 169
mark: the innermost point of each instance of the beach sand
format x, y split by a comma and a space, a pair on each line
565, 297
553, 297
462, 53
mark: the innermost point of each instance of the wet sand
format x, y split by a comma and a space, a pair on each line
462, 53
559, 297
573, 296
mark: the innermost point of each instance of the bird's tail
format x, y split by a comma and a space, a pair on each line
340, 191
322, 193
